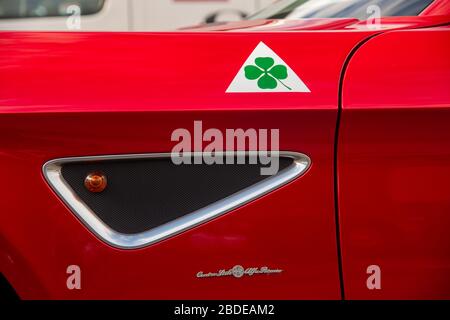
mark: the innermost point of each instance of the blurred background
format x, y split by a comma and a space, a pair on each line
161, 15
122, 15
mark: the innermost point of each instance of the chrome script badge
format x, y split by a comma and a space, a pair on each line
238, 271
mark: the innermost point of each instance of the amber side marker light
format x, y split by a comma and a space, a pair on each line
95, 182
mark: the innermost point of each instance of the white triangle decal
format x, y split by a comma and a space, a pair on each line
265, 71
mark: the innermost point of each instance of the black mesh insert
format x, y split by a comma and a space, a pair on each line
146, 193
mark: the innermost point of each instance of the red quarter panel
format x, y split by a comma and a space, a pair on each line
83, 94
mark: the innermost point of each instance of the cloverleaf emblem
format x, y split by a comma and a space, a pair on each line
267, 73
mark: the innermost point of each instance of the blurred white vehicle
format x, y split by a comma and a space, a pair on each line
120, 15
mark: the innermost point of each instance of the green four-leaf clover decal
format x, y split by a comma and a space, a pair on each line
266, 73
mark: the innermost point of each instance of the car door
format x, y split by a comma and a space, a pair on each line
394, 163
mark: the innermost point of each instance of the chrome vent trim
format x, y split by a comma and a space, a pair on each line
52, 173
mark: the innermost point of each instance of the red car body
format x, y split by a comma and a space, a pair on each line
376, 126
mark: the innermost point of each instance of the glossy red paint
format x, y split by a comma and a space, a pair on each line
47, 237
438, 7
394, 174
67, 72
137, 89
